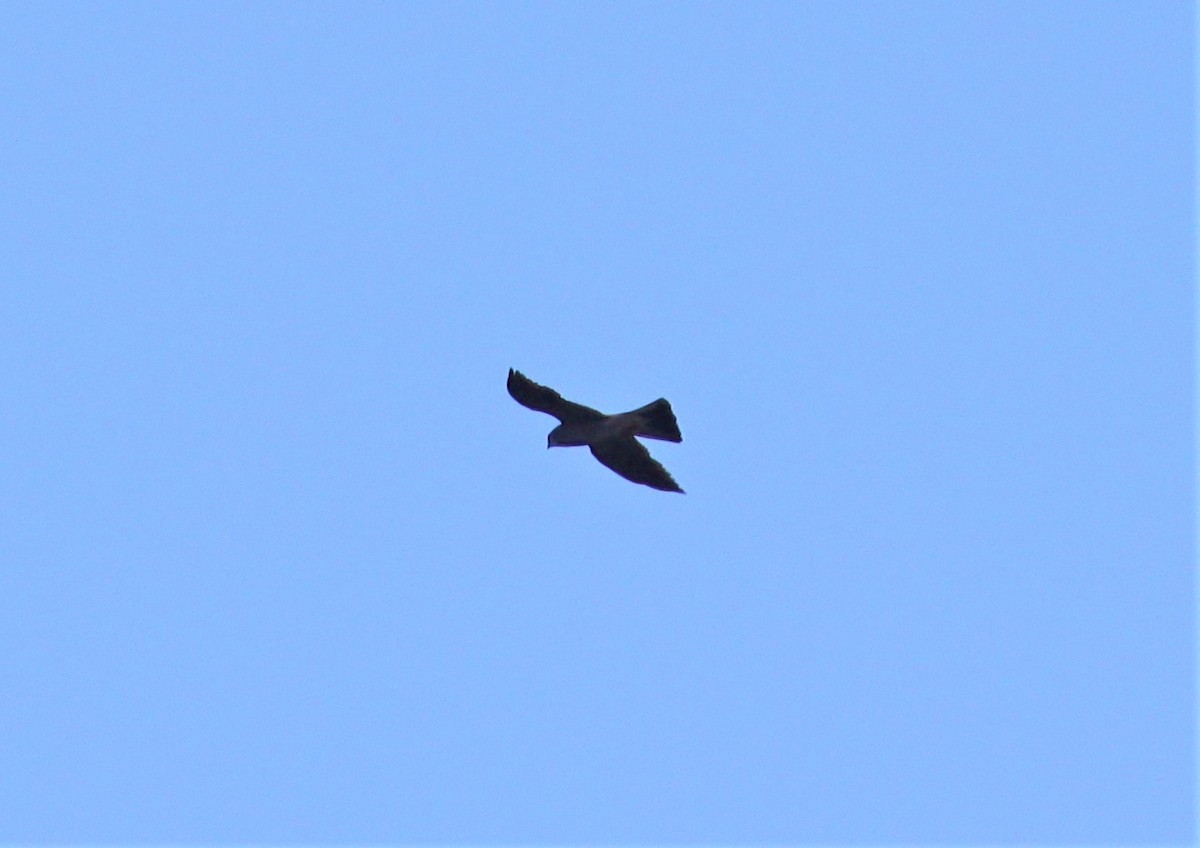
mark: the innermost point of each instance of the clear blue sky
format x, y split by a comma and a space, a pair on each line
280, 560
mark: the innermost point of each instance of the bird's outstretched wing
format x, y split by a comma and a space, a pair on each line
543, 399
629, 458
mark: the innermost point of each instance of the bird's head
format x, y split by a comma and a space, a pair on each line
567, 436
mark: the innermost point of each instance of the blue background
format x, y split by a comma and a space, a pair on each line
281, 561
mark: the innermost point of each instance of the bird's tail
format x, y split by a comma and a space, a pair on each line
658, 422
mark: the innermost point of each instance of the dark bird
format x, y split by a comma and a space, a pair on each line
611, 438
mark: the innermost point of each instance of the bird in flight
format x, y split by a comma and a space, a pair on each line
611, 438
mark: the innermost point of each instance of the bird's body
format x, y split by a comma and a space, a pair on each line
611, 438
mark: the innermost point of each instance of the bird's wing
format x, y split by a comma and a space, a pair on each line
629, 458
543, 399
